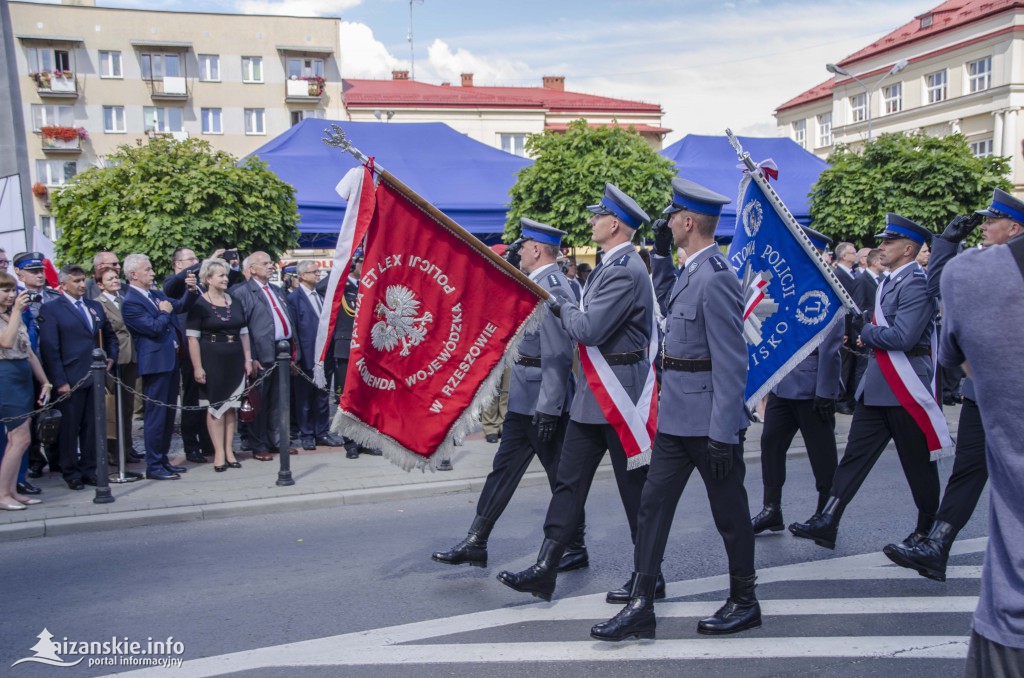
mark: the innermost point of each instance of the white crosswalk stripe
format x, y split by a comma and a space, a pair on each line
399, 644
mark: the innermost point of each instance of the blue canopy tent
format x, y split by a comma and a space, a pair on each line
711, 162
467, 180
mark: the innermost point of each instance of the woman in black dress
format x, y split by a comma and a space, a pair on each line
17, 366
218, 343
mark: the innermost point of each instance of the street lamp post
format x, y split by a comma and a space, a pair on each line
869, 91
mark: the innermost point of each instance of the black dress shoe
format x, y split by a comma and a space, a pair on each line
308, 444
843, 408
134, 455
445, 465
636, 620
195, 457
245, 444
76, 485
929, 555
28, 488
161, 474
770, 518
171, 468
538, 579
35, 472
472, 549
352, 453
91, 482
491, 437
330, 440
621, 596
822, 528
740, 612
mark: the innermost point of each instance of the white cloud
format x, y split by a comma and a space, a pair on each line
296, 7
443, 63
363, 56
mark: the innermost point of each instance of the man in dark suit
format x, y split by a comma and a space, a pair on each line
864, 296
846, 259
160, 343
69, 329
312, 405
269, 320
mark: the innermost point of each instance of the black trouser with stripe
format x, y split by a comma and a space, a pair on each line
783, 417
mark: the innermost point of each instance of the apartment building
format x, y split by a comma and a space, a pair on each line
958, 67
93, 78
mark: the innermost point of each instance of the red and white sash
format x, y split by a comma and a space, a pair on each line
634, 423
912, 394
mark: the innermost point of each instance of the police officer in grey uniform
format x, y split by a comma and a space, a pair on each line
803, 401
1003, 220
616, 317
539, 394
702, 422
878, 418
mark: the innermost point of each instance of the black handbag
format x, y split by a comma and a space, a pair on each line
48, 426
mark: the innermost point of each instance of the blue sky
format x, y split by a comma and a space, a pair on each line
709, 64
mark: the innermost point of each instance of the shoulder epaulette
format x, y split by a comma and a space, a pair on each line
718, 263
553, 280
919, 273
621, 261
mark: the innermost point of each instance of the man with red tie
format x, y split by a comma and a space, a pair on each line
270, 321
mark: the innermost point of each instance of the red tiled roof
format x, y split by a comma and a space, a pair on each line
820, 91
414, 94
947, 16
643, 129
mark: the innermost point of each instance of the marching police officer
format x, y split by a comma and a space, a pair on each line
703, 379
617, 317
803, 401
879, 417
539, 394
1003, 220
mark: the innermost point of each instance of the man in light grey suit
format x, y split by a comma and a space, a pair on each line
539, 394
879, 417
804, 401
704, 374
269, 320
616, 317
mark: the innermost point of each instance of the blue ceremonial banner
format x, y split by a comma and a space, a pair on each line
790, 304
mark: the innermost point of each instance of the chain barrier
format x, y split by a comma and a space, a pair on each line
195, 408
50, 405
301, 373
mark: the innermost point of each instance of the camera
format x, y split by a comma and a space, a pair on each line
231, 255
34, 297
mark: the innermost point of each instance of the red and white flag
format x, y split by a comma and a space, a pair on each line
439, 318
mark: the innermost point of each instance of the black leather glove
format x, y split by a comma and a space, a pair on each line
546, 425
662, 238
512, 253
555, 306
825, 408
719, 459
961, 227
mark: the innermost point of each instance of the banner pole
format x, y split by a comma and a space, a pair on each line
791, 223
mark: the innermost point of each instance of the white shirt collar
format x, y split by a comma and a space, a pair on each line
610, 254
109, 296
899, 271
692, 257
72, 299
541, 272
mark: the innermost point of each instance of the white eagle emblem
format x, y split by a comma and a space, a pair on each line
399, 322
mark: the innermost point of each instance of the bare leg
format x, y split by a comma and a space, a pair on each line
229, 435
17, 442
216, 428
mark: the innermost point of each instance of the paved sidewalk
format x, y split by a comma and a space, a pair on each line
323, 478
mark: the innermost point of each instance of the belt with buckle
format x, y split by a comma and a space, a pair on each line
684, 365
918, 351
214, 337
630, 358
529, 360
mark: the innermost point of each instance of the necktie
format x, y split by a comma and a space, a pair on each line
317, 303
85, 313
277, 310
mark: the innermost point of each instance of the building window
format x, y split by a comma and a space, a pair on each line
162, 119
800, 132
305, 68
160, 66
299, 116
514, 144
979, 75
43, 59
926, 21
824, 130
55, 172
45, 115
211, 121
113, 119
935, 84
892, 97
982, 149
254, 121
48, 225
859, 108
209, 68
110, 65
252, 69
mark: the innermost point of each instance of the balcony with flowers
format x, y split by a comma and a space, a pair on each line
55, 84
58, 139
304, 88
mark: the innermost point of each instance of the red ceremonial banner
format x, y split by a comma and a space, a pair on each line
437, 322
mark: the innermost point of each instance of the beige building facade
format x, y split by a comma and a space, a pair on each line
964, 73
92, 79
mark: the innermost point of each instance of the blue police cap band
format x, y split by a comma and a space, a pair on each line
902, 232
541, 236
624, 216
1001, 209
29, 263
683, 202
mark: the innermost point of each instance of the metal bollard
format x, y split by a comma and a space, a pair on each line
99, 418
284, 363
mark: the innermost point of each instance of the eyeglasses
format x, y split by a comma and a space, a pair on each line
4, 262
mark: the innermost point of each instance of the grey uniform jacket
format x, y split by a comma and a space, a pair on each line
910, 312
547, 388
617, 317
818, 373
942, 252
703, 319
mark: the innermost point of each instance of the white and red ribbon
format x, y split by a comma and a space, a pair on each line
913, 395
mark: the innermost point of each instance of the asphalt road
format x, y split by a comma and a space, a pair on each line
360, 578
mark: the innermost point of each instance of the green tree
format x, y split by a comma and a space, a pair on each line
927, 179
570, 171
164, 194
